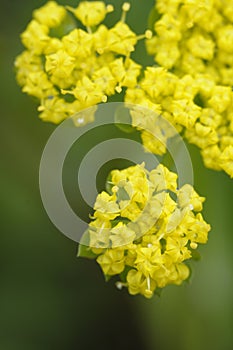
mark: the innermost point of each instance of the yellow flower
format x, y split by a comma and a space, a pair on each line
91, 13
225, 38
125, 72
121, 39
87, 92
112, 261
201, 46
78, 43
226, 160
121, 235
185, 112
25, 64
211, 156
148, 250
53, 109
105, 80
221, 98
137, 283
168, 27
149, 259
35, 79
162, 179
60, 64
176, 248
99, 233
35, 38
51, 14
203, 136
188, 197
179, 273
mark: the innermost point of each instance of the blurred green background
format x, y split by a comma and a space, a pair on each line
49, 299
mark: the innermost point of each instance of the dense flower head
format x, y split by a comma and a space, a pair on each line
68, 67
145, 229
196, 106
194, 37
194, 41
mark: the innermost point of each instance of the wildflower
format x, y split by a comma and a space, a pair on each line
194, 37
84, 66
50, 15
91, 13
150, 250
193, 105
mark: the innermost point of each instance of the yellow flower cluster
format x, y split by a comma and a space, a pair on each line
195, 106
68, 68
145, 229
194, 39
194, 36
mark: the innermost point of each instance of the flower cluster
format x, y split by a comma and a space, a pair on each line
72, 61
145, 226
194, 37
196, 106
69, 68
145, 229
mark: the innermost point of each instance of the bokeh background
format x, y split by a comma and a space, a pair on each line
51, 300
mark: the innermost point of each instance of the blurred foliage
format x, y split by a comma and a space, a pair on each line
49, 299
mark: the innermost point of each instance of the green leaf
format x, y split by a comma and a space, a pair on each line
84, 250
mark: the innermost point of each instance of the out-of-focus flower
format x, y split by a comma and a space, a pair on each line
196, 106
194, 37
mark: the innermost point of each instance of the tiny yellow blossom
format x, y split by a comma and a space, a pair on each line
53, 109
201, 47
35, 38
91, 13
25, 64
51, 14
185, 112
121, 39
78, 43
187, 196
225, 38
60, 64
211, 156
121, 235
35, 79
226, 160
221, 98
112, 261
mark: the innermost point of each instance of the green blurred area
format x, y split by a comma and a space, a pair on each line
49, 299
